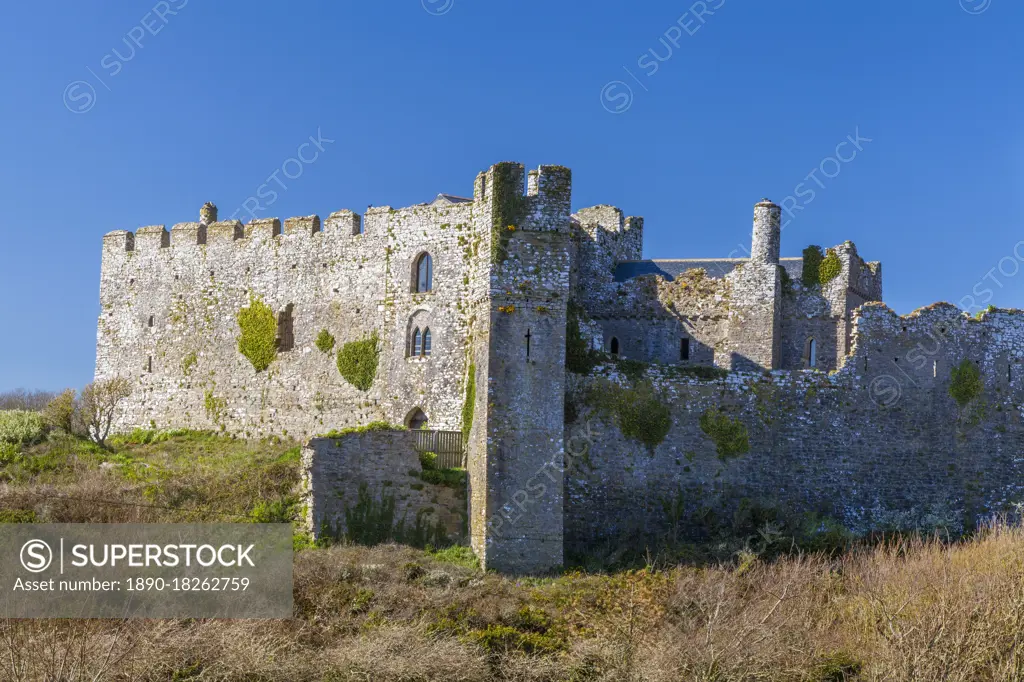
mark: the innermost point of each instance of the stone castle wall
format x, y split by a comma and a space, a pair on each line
877, 444
384, 464
170, 302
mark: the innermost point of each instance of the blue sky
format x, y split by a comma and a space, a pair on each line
687, 120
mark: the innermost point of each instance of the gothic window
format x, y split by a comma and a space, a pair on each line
426, 342
684, 350
285, 334
423, 275
417, 343
812, 353
614, 346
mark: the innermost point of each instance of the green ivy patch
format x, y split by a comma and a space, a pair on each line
188, 363
357, 361
820, 268
965, 383
830, 267
325, 341
469, 405
812, 265
258, 340
639, 411
509, 206
729, 435
580, 358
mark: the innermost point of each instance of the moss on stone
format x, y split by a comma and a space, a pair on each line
469, 403
965, 383
214, 407
728, 434
357, 361
189, 363
365, 428
325, 341
258, 338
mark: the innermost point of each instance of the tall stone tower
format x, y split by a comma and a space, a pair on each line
755, 319
516, 442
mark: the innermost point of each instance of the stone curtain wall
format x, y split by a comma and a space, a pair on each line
193, 280
878, 444
387, 464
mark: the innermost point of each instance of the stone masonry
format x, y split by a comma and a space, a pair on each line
847, 405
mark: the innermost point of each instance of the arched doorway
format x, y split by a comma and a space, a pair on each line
417, 419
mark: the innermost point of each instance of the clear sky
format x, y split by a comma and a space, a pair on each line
131, 113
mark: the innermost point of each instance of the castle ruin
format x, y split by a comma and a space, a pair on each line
462, 314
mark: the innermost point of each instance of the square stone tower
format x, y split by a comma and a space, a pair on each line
518, 371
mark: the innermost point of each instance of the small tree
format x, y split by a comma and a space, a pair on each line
99, 403
59, 413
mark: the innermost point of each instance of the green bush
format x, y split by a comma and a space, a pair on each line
258, 338
965, 383
812, 265
325, 341
729, 435
357, 361
21, 427
282, 510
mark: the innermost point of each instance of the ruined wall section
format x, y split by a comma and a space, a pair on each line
353, 278
825, 312
878, 444
383, 465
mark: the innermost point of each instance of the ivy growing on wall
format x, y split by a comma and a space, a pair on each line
357, 361
325, 341
812, 265
830, 267
965, 383
258, 338
639, 411
820, 268
509, 206
579, 357
729, 435
469, 404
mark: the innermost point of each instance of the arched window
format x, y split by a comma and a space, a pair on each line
417, 343
614, 346
424, 274
812, 353
426, 341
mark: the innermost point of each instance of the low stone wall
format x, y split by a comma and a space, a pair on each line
385, 465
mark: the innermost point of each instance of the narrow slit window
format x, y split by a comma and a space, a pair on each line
614, 346
812, 353
426, 342
152, 320
684, 349
149, 364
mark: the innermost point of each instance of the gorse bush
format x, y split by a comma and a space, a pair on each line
21, 427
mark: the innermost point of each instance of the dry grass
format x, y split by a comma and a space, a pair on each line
909, 610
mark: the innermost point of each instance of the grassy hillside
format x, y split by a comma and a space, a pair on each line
906, 610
